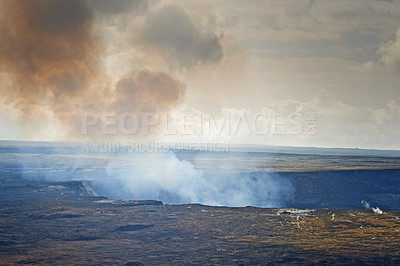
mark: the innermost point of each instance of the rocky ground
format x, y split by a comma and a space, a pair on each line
62, 223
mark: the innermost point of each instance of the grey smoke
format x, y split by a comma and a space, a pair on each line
147, 91
57, 16
109, 7
171, 31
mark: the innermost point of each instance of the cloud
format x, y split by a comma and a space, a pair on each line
390, 51
287, 21
172, 32
387, 115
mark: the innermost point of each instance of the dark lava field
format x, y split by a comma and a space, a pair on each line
64, 222
61, 224
50, 224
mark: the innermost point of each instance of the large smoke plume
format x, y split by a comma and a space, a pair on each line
53, 61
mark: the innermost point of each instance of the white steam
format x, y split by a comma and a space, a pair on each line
156, 176
368, 207
162, 176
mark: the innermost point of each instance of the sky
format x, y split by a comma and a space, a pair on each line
289, 72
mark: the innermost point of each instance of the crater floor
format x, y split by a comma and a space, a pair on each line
48, 223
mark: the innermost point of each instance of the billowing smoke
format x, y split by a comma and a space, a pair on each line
171, 31
145, 91
164, 177
161, 176
47, 50
53, 62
